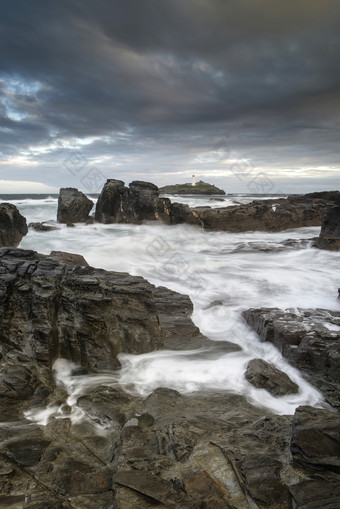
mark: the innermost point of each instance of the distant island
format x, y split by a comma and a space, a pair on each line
199, 188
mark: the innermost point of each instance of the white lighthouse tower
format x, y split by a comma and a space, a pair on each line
193, 180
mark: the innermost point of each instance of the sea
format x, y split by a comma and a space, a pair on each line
223, 273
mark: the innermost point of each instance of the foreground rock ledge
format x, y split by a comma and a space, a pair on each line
168, 450
309, 339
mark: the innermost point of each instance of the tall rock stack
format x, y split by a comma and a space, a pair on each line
73, 206
134, 204
13, 225
330, 230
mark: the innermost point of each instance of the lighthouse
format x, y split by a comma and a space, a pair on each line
193, 181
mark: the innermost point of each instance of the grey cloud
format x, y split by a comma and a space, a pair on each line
176, 76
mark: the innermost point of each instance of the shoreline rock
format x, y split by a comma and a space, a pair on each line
13, 225
205, 449
134, 204
329, 237
140, 202
263, 375
309, 339
73, 206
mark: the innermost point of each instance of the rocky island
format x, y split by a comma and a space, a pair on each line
187, 189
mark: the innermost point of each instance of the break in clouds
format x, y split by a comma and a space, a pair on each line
158, 90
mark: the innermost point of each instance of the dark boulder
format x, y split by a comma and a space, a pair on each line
330, 230
13, 225
140, 202
308, 338
134, 204
264, 215
315, 441
263, 375
73, 206
70, 259
42, 227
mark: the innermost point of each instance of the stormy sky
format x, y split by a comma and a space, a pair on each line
243, 93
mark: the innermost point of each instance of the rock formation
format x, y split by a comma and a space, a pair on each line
188, 189
140, 202
70, 259
106, 447
329, 237
13, 225
265, 376
265, 215
42, 227
134, 204
73, 206
309, 339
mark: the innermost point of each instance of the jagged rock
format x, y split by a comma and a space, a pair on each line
331, 196
70, 259
13, 225
309, 339
83, 314
181, 451
316, 493
73, 206
140, 202
42, 227
265, 376
315, 441
134, 204
52, 306
330, 230
260, 215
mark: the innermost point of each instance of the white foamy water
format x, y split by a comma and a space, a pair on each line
224, 274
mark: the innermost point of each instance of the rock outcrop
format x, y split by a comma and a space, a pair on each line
70, 259
140, 202
73, 206
134, 204
42, 227
262, 215
329, 237
266, 376
188, 189
99, 446
309, 339
13, 225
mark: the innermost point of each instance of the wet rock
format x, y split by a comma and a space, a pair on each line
134, 204
140, 202
13, 225
174, 311
261, 215
316, 493
265, 376
330, 230
331, 196
83, 314
51, 307
70, 259
308, 338
73, 206
42, 227
315, 441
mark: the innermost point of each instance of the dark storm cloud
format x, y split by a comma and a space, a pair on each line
172, 75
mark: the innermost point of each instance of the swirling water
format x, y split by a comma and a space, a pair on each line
223, 273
